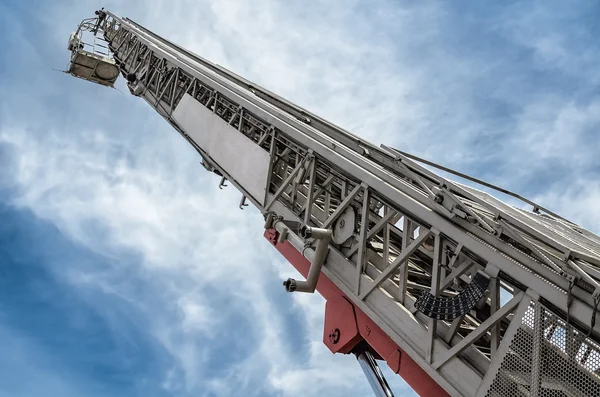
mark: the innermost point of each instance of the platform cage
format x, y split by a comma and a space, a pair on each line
548, 357
91, 59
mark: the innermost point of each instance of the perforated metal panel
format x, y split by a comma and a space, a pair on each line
548, 359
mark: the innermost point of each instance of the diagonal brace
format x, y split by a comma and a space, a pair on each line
374, 230
318, 191
480, 331
456, 273
285, 183
343, 205
402, 258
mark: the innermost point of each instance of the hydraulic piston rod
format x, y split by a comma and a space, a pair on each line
374, 375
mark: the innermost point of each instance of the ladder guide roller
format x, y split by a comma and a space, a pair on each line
411, 264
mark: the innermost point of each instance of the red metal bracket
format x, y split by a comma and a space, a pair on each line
354, 326
341, 332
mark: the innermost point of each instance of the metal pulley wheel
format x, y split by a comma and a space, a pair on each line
344, 226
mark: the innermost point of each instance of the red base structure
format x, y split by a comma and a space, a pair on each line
346, 326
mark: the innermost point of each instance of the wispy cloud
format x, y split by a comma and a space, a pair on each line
502, 92
55, 337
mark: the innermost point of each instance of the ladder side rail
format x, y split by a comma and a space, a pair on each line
158, 40
384, 186
151, 101
380, 156
348, 161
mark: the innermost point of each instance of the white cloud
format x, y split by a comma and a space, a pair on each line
557, 129
23, 355
196, 316
190, 240
398, 80
578, 201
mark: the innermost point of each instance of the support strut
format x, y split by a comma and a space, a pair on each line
374, 375
323, 236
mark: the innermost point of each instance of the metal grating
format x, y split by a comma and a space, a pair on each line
547, 359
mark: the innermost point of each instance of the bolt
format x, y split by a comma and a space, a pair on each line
334, 336
342, 223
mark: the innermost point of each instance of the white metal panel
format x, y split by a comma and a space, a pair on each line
239, 156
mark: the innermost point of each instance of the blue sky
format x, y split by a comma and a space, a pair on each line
126, 271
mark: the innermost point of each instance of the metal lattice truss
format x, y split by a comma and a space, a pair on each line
399, 230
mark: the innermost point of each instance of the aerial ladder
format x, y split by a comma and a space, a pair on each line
456, 291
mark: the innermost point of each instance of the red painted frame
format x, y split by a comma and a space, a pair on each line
346, 326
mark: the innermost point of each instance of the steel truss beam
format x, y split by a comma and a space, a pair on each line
414, 231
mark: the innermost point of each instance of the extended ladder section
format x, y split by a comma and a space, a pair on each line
460, 293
